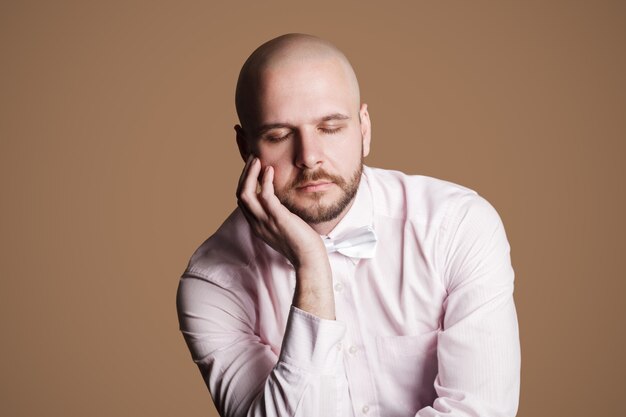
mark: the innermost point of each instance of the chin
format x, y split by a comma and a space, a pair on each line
319, 211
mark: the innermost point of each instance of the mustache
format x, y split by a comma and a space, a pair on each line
307, 176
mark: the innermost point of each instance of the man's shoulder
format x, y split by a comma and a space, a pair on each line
396, 193
224, 254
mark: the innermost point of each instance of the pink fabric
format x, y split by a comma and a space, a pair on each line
425, 328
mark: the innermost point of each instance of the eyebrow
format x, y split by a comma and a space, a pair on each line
334, 116
269, 126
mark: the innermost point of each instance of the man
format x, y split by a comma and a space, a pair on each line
337, 289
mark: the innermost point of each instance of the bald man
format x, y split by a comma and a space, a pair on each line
337, 289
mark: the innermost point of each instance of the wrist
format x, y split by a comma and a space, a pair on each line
312, 257
314, 291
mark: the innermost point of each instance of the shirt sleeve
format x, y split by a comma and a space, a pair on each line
243, 374
478, 348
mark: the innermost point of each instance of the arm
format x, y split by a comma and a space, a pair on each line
478, 350
245, 377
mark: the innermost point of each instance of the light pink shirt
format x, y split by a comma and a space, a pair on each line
426, 328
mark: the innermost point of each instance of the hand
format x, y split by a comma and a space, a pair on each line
289, 235
273, 222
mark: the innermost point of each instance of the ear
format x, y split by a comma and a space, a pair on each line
366, 129
242, 143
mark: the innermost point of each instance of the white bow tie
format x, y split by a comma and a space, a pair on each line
356, 243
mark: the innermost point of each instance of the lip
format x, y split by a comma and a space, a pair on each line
315, 186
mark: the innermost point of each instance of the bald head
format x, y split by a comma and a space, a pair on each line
283, 56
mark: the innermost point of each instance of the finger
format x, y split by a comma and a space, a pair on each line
268, 197
250, 179
257, 227
267, 184
244, 172
248, 195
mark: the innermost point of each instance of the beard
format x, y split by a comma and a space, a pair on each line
314, 211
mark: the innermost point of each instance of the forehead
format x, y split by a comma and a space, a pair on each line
302, 92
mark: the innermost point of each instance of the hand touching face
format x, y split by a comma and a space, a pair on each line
284, 231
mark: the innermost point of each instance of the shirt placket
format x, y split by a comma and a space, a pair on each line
358, 372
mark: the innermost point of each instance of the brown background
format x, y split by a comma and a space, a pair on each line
118, 159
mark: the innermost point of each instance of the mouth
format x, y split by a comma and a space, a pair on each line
315, 186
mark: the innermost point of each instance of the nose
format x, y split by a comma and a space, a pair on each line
308, 150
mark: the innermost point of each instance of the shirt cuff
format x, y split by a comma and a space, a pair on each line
312, 343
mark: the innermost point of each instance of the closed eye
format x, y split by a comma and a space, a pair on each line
330, 131
276, 138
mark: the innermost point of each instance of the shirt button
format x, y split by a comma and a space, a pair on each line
339, 346
365, 409
353, 349
338, 287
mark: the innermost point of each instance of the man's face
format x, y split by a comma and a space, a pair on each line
308, 130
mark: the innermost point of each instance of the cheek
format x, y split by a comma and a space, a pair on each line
282, 171
282, 177
274, 155
348, 153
